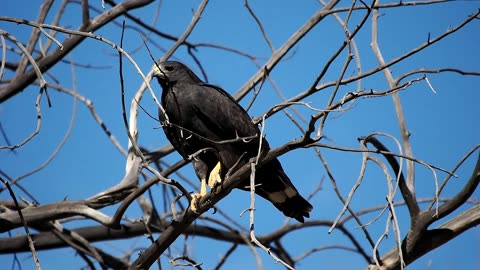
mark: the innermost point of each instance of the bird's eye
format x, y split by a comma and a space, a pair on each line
169, 68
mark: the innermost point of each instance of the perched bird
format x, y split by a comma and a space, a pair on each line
207, 126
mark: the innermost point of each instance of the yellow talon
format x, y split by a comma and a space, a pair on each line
194, 203
215, 177
197, 196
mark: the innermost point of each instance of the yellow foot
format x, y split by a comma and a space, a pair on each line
215, 177
197, 196
194, 203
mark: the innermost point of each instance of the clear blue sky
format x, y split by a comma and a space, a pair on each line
444, 125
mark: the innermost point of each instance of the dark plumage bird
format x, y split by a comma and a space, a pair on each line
207, 126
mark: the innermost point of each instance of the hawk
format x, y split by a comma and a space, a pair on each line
207, 126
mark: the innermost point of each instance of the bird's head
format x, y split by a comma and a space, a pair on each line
169, 73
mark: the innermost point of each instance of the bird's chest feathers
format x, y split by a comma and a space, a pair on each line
181, 106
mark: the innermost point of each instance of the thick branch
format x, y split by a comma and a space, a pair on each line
433, 239
20, 83
420, 240
287, 46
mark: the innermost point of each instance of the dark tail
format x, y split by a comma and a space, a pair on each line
275, 186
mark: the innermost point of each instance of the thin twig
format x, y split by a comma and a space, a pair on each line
65, 137
262, 29
25, 226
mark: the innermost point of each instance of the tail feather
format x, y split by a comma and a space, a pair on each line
296, 207
275, 186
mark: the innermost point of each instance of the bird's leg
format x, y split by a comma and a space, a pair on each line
215, 177
202, 171
203, 187
197, 196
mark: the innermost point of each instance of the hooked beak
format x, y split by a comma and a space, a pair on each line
158, 73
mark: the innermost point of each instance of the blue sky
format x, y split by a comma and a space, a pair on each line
444, 125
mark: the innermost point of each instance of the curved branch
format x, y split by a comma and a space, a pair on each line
420, 240
286, 47
20, 83
433, 239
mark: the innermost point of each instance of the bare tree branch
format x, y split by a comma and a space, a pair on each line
341, 78
44, 64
